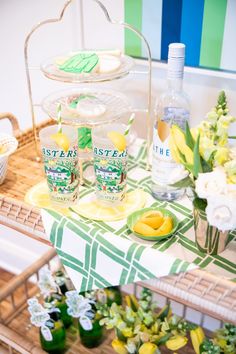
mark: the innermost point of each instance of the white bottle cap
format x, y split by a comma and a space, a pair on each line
176, 57
176, 50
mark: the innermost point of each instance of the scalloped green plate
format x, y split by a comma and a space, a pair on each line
133, 218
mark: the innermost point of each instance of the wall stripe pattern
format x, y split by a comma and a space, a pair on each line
207, 27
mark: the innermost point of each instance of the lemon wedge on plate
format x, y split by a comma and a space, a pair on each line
38, 196
95, 211
118, 140
166, 227
61, 140
153, 219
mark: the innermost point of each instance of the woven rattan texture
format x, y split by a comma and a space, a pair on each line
23, 173
201, 291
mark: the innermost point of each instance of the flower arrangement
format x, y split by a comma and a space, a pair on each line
141, 329
207, 164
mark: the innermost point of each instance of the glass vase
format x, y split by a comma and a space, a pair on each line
209, 239
91, 338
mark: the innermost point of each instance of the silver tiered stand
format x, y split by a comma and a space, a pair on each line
83, 79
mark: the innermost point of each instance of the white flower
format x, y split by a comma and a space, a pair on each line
77, 304
39, 315
46, 282
221, 211
177, 174
211, 183
131, 347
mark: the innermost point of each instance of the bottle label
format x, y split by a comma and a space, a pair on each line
163, 164
46, 333
86, 323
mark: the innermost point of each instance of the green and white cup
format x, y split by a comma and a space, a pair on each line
61, 168
110, 166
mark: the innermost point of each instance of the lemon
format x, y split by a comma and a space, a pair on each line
61, 140
153, 219
166, 227
118, 140
95, 211
38, 196
143, 229
146, 230
3, 149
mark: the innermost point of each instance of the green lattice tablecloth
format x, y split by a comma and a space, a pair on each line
99, 254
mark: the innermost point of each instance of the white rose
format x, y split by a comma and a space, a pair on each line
221, 211
211, 183
177, 174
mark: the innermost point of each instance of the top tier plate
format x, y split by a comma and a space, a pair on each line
50, 68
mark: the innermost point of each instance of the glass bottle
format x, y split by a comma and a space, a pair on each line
94, 337
60, 298
58, 301
53, 335
171, 108
91, 338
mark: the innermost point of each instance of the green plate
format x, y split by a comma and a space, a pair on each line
133, 218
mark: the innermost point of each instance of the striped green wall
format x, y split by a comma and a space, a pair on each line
207, 27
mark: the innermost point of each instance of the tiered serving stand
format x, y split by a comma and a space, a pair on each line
117, 104
198, 289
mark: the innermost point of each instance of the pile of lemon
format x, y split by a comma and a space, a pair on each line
153, 223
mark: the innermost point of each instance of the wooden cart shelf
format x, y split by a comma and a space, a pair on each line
199, 289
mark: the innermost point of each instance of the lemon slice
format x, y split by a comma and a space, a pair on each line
153, 219
95, 211
166, 227
118, 140
61, 140
38, 196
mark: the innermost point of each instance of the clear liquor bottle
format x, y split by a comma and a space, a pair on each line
171, 108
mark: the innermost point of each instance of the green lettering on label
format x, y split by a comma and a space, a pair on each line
62, 154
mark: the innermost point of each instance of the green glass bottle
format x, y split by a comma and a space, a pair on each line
113, 295
94, 337
54, 339
60, 298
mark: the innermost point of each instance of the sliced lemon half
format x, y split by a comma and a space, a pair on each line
61, 140
38, 196
118, 140
95, 211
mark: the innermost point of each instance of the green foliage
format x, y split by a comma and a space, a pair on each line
184, 183
197, 166
208, 347
200, 204
226, 338
188, 137
222, 102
